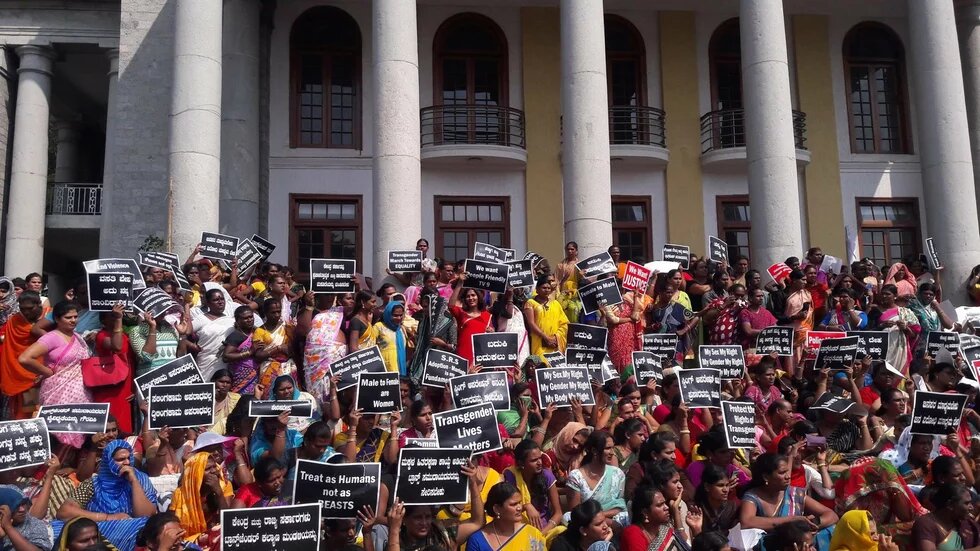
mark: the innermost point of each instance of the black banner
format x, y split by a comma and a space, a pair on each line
486, 276
739, 423
592, 359
272, 408
586, 336
219, 247
486, 386
605, 292
179, 406
106, 289
378, 393
472, 427
700, 388
936, 413
837, 354
75, 418
182, 371
509, 255
488, 253
154, 301
495, 349
932, 256
775, 339
342, 490
263, 245
533, 257
678, 253
661, 344
367, 360
728, 359
873, 344
428, 476
555, 359
597, 264
831, 402
164, 261
440, 366
248, 255
558, 385
717, 250
943, 339
23, 443
332, 275
289, 528
405, 261
647, 366
521, 273
116, 265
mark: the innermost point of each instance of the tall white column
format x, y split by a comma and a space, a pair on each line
968, 24
769, 145
68, 134
944, 142
397, 175
24, 251
239, 212
585, 127
105, 231
195, 123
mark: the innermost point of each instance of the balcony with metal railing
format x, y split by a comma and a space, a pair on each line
73, 205
636, 134
723, 137
460, 133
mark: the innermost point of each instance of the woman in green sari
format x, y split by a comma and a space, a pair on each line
943, 529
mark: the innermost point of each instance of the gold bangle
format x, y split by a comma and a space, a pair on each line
685, 432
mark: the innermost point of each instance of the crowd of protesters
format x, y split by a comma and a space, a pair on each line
637, 471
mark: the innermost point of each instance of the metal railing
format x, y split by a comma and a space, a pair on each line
725, 128
636, 125
473, 125
75, 199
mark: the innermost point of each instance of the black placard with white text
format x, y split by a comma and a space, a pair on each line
165, 261
75, 418
403, 262
23, 443
559, 385
647, 366
472, 427
332, 275
837, 404
739, 424
378, 392
677, 253
440, 366
432, 476
366, 360
476, 388
263, 245
932, 256
555, 359
486, 276
106, 289
775, 339
597, 264
586, 336
593, 359
116, 265
873, 344
274, 408
489, 253
154, 301
287, 528
700, 388
837, 354
180, 371
342, 490
218, 246
661, 344
936, 413
943, 339
520, 273
604, 292
728, 359
179, 406
717, 250
248, 255
495, 349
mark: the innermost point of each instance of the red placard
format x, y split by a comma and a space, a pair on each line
814, 338
779, 271
636, 277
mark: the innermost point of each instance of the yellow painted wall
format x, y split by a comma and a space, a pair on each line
679, 77
824, 210
541, 44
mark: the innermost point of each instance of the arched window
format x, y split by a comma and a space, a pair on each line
874, 65
625, 63
725, 60
325, 83
470, 71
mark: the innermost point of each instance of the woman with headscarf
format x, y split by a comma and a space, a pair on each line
566, 451
203, 493
21, 530
900, 276
874, 485
285, 388
855, 531
912, 455
79, 534
391, 338
17, 383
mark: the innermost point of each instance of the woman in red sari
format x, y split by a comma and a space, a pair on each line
625, 331
472, 317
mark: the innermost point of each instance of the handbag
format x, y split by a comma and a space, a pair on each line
103, 370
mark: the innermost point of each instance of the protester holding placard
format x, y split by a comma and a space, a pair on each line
754, 318
799, 312
363, 441
471, 315
325, 342
623, 323
509, 316
720, 315
239, 352
666, 316
547, 322
436, 330
284, 387
902, 327
927, 310
112, 349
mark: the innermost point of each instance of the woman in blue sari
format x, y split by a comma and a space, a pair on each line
508, 530
769, 501
667, 316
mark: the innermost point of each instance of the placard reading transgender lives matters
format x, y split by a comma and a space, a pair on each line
473, 428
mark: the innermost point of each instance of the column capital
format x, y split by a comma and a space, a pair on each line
113, 56
38, 59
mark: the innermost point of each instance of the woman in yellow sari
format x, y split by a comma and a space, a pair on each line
508, 530
546, 320
203, 493
538, 487
273, 339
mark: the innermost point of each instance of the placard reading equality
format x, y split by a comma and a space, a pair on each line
520, 273
943, 339
586, 336
476, 388
558, 385
495, 349
728, 359
23, 443
274, 408
873, 344
287, 528
486, 276
647, 366
837, 354
739, 423
179, 406
677, 253
117, 265
342, 490
440, 366
332, 275
405, 261
106, 289
218, 246
182, 371
378, 392
717, 250
661, 344
636, 277
366, 360
75, 418
597, 264
936, 413
700, 388
775, 339
472, 427
489, 253
603, 292
432, 476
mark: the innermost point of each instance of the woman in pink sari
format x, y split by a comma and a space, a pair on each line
902, 327
325, 342
61, 373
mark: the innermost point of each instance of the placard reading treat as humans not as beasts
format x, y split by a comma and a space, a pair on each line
342, 490
495, 349
332, 275
432, 476
218, 246
287, 528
